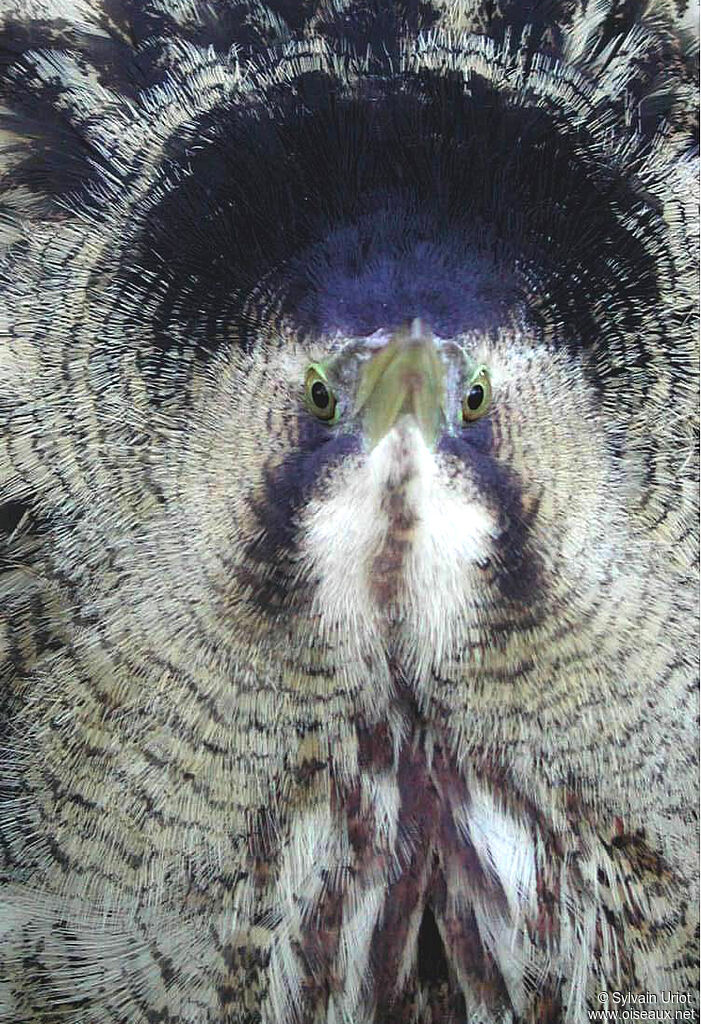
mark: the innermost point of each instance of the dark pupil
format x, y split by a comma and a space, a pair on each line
476, 397
320, 395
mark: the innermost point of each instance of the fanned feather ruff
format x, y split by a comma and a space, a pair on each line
109, 112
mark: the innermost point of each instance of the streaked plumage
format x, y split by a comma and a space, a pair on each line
368, 711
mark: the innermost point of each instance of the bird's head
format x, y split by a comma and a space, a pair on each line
401, 494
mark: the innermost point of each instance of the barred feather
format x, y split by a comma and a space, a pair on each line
293, 731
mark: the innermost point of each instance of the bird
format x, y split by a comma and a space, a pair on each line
348, 511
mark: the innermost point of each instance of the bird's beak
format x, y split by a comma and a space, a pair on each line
405, 378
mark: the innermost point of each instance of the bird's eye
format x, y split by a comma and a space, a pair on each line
477, 396
320, 397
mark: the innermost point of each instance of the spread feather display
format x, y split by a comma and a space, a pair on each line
348, 522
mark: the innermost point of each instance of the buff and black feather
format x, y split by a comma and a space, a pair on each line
340, 720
